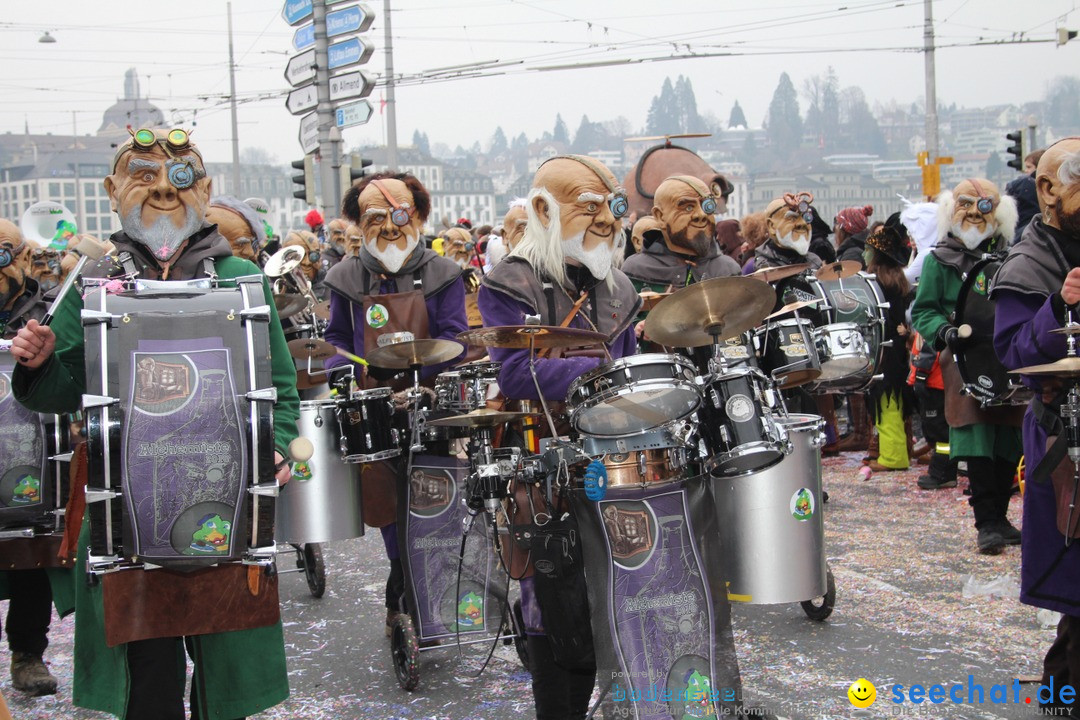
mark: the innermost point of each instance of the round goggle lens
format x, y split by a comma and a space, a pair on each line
708, 205
181, 175
619, 206
400, 217
6, 257
985, 205
145, 138
178, 138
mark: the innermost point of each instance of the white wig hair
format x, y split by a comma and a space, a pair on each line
1069, 170
518, 202
542, 247
1007, 215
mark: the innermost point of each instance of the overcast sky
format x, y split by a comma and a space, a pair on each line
180, 51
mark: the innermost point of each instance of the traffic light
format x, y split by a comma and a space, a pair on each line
353, 171
1016, 150
1064, 35
306, 180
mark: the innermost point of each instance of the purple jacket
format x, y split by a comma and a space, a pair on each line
1049, 574
446, 319
554, 374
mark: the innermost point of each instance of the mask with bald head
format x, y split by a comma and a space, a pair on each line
15, 260
574, 212
1057, 181
336, 234
514, 224
787, 226
975, 211
683, 205
160, 190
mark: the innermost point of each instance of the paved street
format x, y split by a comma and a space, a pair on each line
900, 557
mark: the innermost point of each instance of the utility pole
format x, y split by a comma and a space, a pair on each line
931, 83
391, 105
329, 143
232, 103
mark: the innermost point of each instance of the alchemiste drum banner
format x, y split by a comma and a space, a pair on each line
660, 617
453, 594
23, 461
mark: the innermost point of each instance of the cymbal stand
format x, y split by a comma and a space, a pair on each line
1070, 415
417, 414
535, 320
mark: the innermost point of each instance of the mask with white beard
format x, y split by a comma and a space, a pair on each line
972, 237
392, 258
801, 246
162, 238
597, 261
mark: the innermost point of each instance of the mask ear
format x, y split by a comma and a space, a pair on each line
540, 207
110, 188
658, 214
1047, 192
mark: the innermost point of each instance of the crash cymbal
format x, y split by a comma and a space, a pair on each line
792, 307
709, 311
402, 355
322, 310
518, 337
650, 299
838, 270
771, 275
304, 348
1066, 367
666, 138
1071, 329
288, 304
284, 261
480, 418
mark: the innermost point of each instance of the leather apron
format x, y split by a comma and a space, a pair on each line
384, 314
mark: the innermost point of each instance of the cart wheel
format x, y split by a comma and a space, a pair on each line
314, 569
822, 607
406, 650
520, 641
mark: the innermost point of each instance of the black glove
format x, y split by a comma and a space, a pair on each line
946, 337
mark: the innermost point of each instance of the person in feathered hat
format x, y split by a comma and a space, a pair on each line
887, 253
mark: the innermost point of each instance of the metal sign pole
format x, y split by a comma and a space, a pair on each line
328, 149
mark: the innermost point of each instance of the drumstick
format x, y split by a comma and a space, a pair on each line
350, 356
300, 450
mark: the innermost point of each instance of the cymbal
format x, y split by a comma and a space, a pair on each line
792, 307
304, 348
322, 310
838, 270
650, 299
771, 275
288, 304
1068, 367
666, 138
284, 261
518, 337
483, 417
402, 355
1070, 329
709, 311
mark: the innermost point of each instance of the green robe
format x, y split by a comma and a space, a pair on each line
935, 301
243, 672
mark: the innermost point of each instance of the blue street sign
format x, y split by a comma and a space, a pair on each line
296, 11
348, 52
347, 20
356, 113
304, 37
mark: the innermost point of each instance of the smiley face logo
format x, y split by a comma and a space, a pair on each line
862, 693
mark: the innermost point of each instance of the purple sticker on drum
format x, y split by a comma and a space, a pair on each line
184, 452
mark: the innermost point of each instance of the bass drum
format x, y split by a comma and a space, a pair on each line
850, 342
985, 378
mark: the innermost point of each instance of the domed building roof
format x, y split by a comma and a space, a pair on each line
130, 110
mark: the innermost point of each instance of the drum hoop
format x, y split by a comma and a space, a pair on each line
630, 361
603, 396
363, 395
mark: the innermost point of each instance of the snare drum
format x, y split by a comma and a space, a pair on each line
788, 351
365, 421
655, 458
633, 395
740, 351
466, 388
850, 341
326, 505
736, 426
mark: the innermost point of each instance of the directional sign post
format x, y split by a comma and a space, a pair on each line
296, 11
302, 99
304, 37
309, 132
301, 68
350, 85
356, 113
353, 51
354, 18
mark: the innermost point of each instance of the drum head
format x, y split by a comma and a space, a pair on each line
635, 411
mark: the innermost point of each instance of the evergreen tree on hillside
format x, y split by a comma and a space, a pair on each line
420, 142
737, 118
662, 118
498, 142
561, 134
784, 125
